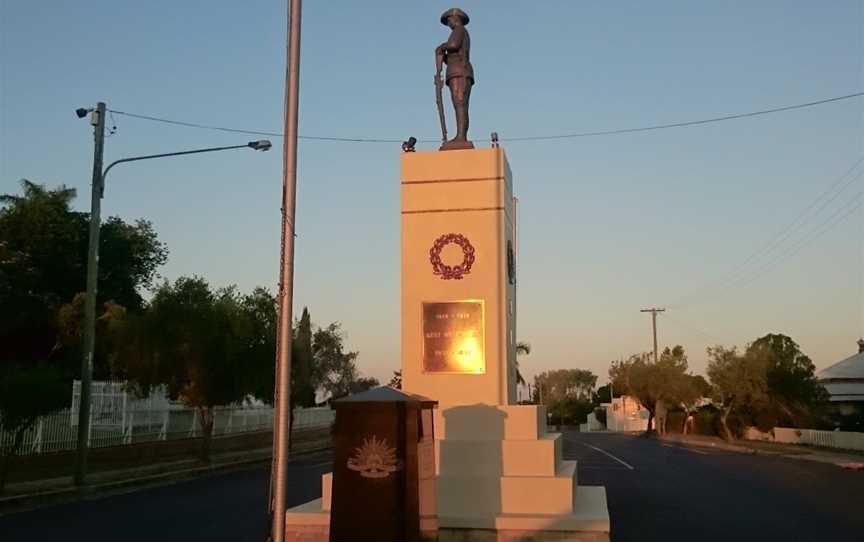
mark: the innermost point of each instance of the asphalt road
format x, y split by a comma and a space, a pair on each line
656, 491
666, 492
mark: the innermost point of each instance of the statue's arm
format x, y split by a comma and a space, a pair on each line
454, 42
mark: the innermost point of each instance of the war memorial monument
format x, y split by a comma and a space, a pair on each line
497, 473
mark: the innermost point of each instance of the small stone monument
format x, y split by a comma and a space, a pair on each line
379, 453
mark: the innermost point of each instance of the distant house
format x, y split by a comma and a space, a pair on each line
844, 382
625, 414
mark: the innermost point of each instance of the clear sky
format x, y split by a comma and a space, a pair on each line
609, 224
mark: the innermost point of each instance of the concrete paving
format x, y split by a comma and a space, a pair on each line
656, 491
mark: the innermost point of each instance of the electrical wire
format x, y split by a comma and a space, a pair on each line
698, 331
799, 222
834, 220
524, 138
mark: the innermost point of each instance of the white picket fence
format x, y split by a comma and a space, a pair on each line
59, 431
841, 440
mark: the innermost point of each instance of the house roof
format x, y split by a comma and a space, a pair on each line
844, 381
849, 368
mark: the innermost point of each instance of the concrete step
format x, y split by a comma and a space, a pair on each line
485, 422
538, 457
588, 521
490, 496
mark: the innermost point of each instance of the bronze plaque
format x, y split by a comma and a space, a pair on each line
453, 336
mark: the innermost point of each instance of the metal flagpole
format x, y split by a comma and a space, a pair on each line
282, 393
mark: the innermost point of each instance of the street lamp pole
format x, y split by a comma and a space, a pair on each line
97, 191
97, 119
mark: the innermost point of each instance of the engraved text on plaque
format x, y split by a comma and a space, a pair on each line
453, 337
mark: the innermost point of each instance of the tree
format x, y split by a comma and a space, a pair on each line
739, 383
603, 394
334, 370
260, 312
40, 269
566, 393
772, 383
43, 263
196, 342
21, 407
302, 360
657, 385
110, 324
790, 376
396, 380
363, 383
523, 348
558, 384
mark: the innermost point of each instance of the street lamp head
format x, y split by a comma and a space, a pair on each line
82, 112
260, 145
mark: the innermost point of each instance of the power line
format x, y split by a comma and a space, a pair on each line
838, 217
706, 335
524, 138
835, 219
831, 193
687, 123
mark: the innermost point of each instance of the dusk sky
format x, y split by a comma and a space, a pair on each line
608, 224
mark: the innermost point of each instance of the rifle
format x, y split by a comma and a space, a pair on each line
439, 90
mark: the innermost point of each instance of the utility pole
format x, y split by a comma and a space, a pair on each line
282, 393
654, 312
97, 119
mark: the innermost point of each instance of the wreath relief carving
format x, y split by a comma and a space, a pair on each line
454, 272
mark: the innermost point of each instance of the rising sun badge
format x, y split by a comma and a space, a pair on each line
374, 459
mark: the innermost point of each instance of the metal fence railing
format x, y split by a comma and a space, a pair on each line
59, 431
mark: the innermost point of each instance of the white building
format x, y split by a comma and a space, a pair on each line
844, 382
625, 414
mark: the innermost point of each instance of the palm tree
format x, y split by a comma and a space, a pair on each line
522, 347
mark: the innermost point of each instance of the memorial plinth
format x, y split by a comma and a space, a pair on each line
458, 302
501, 475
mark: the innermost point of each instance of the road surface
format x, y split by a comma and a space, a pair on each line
656, 491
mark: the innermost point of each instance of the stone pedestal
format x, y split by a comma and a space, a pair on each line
457, 216
501, 476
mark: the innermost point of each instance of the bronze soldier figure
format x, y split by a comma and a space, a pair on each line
456, 53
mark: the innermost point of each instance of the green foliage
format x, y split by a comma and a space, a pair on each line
567, 394
603, 394
522, 348
364, 383
600, 414
302, 363
665, 382
396, 380
129, 255
110, 325
773, 383
26, 393
562, 383
707, 422
196, 341
791, 379
43, 261
259, 310
569, 410
335, 370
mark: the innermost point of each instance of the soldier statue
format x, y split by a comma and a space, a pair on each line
456, 53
